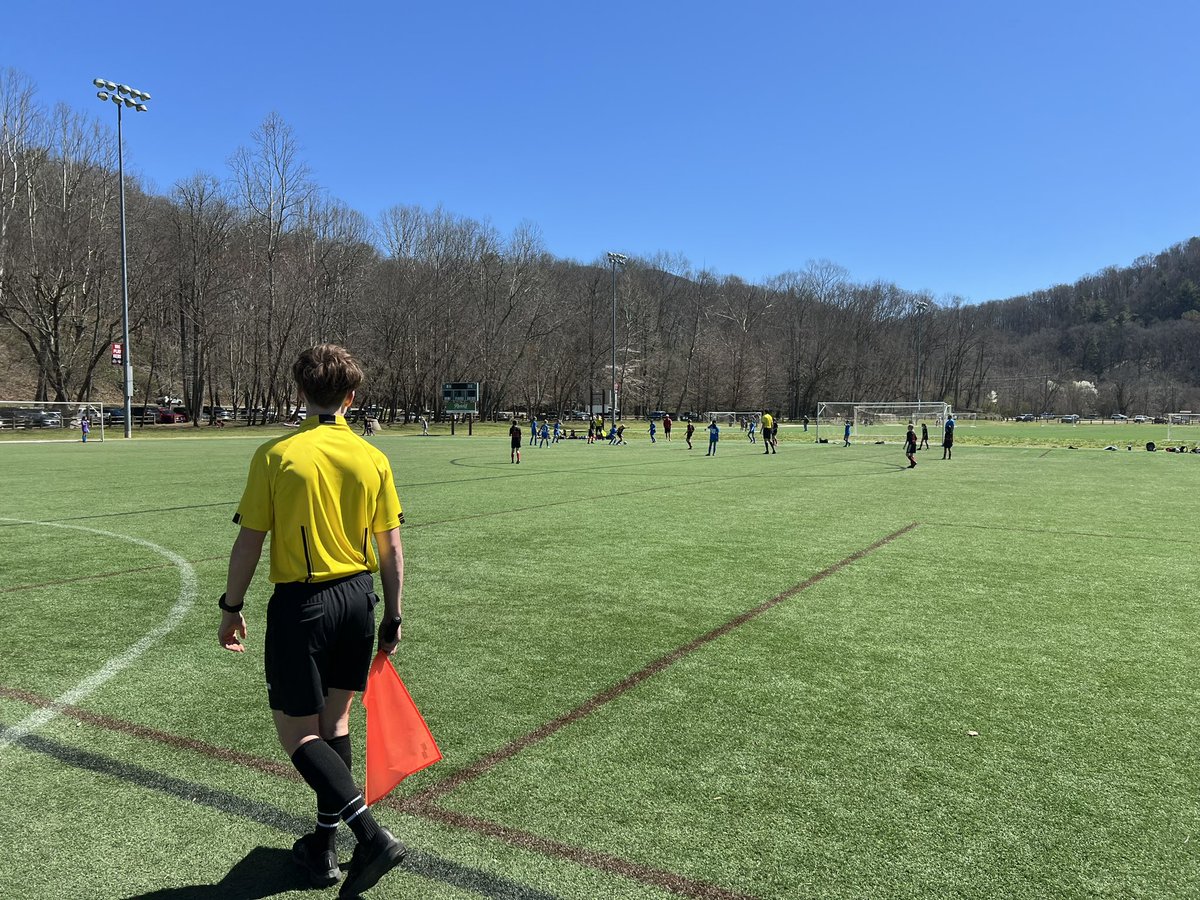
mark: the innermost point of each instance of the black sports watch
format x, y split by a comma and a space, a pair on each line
227, 608
389, 628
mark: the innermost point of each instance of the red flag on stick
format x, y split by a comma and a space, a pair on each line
398, 740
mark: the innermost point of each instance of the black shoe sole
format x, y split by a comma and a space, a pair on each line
357, 882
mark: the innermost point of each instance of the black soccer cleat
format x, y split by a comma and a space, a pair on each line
370, 862
321, 867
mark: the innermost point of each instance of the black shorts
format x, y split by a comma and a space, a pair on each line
319, 636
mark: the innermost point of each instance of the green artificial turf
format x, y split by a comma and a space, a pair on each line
1039, 596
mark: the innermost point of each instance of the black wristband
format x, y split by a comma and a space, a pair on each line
230, 609
389, 628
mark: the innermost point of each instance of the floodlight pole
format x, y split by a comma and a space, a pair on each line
123, 95
921, 307
615, 259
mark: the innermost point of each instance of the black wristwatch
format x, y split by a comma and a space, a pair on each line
230, 609
389, 628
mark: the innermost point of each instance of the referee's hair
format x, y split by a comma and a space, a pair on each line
326, 373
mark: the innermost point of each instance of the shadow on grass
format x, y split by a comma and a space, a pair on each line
265, 872
270, 871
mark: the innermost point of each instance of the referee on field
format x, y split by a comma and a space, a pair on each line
322, 492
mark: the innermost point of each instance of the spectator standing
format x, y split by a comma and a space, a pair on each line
667, 423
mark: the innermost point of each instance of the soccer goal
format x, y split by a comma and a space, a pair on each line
50, 421
873, 422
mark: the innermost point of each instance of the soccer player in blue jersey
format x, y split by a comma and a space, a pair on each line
714, 435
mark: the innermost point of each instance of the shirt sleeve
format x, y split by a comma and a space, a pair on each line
255, 511
388, 514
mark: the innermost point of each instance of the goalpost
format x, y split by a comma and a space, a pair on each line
887, 422
50, 420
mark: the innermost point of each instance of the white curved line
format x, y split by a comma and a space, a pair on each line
187, 597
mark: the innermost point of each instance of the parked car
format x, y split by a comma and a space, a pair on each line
1117, 417
215, 412
1160, 420
165, 416
1025, 417
182, 411
1140, 419
1071, 419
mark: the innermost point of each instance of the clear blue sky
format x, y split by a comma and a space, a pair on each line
971, 149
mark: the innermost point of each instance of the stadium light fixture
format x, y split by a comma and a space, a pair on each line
615, 259
122, 95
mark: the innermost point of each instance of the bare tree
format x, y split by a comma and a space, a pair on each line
58, 287
274, 185
203, 220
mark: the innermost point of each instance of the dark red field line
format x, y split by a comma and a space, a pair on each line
485, 764
133, 729
40, 584
668, 881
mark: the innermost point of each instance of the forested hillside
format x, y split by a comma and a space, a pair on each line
231, 273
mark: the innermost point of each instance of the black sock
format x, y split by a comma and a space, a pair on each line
325, 834
326, 773
342, 747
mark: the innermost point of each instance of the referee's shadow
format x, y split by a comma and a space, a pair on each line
265, 872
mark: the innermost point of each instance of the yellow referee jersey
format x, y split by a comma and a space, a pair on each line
321, 491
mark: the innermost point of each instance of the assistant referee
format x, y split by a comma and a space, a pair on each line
323, 493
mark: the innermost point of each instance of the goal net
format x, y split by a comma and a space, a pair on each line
50, 421
874, 422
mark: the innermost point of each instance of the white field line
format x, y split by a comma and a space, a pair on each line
187, 597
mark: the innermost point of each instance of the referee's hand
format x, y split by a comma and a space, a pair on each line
232, 631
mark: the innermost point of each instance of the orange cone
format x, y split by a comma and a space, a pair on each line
398, 740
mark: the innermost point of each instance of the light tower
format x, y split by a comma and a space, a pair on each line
921, 307
615, 259
122, 95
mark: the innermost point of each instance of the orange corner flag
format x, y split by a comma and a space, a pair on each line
398, 740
